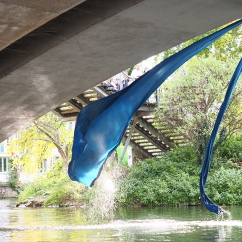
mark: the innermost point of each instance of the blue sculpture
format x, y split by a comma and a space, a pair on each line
101, 125
205, 168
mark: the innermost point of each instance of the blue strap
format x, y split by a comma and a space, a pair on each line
205, 168
101, 125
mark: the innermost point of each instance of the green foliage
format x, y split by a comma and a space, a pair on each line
13, 176
225, 186
174, 179
201, 139
192, 98
232, 149
129, 71
57, 189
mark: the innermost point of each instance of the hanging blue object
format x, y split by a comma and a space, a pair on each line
101, 125
205, 168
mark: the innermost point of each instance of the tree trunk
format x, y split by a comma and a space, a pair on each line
66, 164
53, 134
64, 156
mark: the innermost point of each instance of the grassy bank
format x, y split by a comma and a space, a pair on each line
172, 179
55, 188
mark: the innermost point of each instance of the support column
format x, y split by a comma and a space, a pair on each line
112, 160
128, 140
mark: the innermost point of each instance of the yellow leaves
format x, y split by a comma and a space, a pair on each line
32, 145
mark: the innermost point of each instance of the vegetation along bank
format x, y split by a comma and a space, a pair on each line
172, 180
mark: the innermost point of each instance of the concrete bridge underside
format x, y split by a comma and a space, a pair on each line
51, 51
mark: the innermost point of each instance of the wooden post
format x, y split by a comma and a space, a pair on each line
112, 160
158, 97
127, 141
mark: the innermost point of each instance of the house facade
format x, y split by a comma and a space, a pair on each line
4, 166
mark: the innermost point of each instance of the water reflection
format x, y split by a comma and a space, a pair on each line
150, 224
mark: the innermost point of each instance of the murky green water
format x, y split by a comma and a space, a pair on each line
188, 224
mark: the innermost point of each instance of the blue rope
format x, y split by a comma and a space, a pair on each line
205, 168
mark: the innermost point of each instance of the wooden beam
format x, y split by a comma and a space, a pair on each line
68, 111
88, 92
57, 112
83, 100
150, 140
174, 126
128, 140
147, 107
149, 127
138, 148
67, 119
74, 104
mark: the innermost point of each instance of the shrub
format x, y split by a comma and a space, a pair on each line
56, 188
174, 179
232, 149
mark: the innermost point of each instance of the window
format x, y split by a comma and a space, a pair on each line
1, 148
3, 164
43, 166
21, 168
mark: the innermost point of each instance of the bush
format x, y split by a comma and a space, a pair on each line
232, 149
13, 176
225, 186
56, 188
56, 191
174, 179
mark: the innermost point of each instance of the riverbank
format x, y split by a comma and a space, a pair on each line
60, 191
171, 180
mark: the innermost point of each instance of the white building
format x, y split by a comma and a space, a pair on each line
26, 177
4, 162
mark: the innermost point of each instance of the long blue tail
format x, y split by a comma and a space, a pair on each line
205, 168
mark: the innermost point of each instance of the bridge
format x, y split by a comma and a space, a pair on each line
51, 51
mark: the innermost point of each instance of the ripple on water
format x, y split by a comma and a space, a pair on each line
150, 224
145, 225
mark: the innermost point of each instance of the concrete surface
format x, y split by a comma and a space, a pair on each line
19, 17
109, 38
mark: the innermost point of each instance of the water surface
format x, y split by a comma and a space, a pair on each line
188, 224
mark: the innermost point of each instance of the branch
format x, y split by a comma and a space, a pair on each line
46, 140
54, 133
39, 124
43, 131
48, 125
67, 151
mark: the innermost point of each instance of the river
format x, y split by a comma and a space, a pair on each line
188, 224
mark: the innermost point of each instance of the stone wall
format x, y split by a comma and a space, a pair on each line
4, 176
7, 191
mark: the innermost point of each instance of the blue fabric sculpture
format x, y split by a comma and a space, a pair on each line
205, 168
101, 125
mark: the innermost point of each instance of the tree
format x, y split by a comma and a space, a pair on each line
190, 101
37, 141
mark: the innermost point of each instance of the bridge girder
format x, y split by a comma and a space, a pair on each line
87, 44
